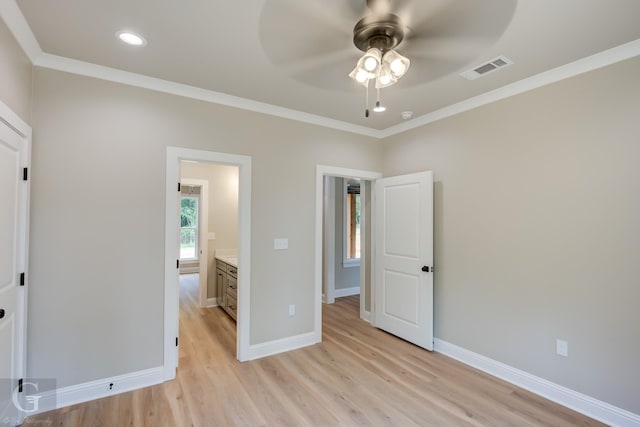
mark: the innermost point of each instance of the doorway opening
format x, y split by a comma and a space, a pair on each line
397, 277
199, 231
343, 196
345, 214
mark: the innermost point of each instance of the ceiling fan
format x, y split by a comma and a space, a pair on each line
317, 42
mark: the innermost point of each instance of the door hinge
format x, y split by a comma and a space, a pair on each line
21, 279
25, 174
177, 263
178, 187
176, 341
20, 383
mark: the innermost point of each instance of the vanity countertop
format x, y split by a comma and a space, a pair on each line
229, 259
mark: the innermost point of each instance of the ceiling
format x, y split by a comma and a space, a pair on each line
296, 54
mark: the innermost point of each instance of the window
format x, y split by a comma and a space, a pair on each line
352, 222
189, 228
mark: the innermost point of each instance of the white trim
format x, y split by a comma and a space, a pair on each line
366, 316
584, 65
321, 172
329, 236
203, 236
212, 302
11, 119
257, 351
171, 313
80, 393
190, 269
579, 402
365, 244
17, 24
132, 79
23, 131
347, 292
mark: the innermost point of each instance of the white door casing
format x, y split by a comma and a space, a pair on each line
172, 221
403, 296
14, 207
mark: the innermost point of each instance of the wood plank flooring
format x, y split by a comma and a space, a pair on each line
358, 376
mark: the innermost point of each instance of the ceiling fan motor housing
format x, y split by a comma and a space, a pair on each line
384, 32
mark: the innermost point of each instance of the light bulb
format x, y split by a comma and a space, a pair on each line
362, 76
370, 63
371, 60
385, 79
397, 66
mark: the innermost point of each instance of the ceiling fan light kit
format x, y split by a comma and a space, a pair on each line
378, 35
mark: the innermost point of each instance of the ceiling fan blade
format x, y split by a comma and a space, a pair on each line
323, 61
328, 71
454, 48
294, 30
426, 69
470, 18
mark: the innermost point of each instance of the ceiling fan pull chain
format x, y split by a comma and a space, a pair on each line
366, 104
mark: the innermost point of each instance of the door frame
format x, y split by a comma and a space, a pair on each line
321, 172
203, 236
23, 130
172, 222
329, 238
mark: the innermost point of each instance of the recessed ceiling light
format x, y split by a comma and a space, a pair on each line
131, 38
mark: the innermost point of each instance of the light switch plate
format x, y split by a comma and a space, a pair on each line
562, 348
280, 244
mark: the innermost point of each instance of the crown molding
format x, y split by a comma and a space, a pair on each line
589, 63
17, 24
132, 79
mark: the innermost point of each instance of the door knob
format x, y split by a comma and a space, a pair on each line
1, 313
427, 269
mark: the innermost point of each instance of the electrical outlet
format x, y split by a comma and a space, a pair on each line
292, 310
562, 348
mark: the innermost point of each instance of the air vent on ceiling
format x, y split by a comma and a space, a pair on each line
486, 68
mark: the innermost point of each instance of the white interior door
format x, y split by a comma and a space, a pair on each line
13, 207
403, 298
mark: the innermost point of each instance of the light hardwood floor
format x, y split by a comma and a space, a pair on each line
358, 375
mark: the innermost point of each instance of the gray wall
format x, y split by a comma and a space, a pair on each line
97, 252
537, 233
223, 210
345, 277
15, 75
537, 237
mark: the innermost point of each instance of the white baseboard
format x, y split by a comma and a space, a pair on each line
579, 402
347, 292
366, 316
212, 302
257, 351
71, 395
